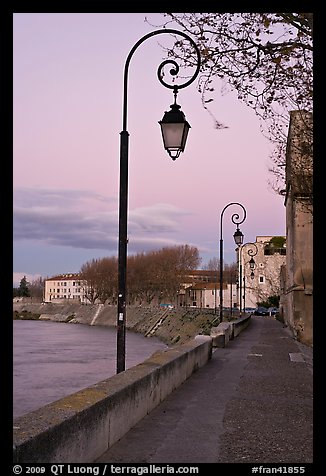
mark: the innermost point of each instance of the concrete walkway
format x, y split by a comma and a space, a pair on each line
252, 403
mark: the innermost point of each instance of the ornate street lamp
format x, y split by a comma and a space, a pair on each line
252, 264
238, 238
174, 129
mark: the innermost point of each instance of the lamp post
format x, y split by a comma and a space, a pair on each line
231, 300
174, 128
238, 238
252, 264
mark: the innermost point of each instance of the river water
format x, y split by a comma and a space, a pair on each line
54, 359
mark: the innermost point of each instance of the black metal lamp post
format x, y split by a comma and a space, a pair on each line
231, 296
252, 265
238, 238
174, 129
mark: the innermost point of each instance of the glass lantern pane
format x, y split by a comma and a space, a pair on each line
172, 135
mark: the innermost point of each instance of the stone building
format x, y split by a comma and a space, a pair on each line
297, 274
259, 266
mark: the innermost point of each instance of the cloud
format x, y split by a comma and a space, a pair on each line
86, 220
158, 218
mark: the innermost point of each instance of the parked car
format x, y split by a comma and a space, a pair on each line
261, 311
168, 305
249, 310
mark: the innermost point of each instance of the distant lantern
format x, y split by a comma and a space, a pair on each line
238, 237
252, 263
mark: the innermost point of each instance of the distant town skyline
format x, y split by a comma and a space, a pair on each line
67, 116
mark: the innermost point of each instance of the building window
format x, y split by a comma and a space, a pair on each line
261, 279
268, 251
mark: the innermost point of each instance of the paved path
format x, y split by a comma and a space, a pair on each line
252, 403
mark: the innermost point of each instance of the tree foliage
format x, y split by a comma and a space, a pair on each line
33, 289
271, 301
277, 241
101, 276
36, 288
230, 271
266, 57
23, 290
156, 274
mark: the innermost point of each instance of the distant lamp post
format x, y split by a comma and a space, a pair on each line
238, 238
175, 130
231, 296
252, 264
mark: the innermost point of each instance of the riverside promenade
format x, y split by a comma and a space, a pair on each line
251, 403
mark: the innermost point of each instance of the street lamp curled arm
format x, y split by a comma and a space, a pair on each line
235, 218
174, 131
251, 252
160, 73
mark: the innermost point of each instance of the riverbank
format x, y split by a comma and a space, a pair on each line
171, 326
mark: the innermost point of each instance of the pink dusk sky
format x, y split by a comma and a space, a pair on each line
67, 110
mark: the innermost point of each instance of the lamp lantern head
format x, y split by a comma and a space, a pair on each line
238, 237
175, 128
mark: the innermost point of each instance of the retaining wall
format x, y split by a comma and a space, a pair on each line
171, 326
